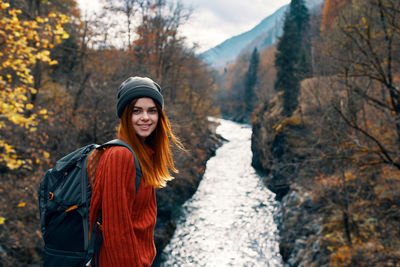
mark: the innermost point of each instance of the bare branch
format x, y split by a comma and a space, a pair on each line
387, 158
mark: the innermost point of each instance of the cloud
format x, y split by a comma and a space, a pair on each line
214, 21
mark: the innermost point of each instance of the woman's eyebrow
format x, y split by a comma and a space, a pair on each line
145, 107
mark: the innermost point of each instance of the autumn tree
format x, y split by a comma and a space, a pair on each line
339, 149
359, 116
30, 10
266, 76
366, 55
23, 44
127, 8
330, 12
231, 95
75, 100
26, 44
157, 38
33, 8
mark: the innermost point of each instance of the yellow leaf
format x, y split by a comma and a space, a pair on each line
2, 220
4, 5
46, 154
9, 149
29, 106
12, 165
21, 204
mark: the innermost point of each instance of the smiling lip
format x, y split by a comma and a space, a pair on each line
144, 127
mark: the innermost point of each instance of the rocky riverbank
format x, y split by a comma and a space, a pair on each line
279, 147
339, 201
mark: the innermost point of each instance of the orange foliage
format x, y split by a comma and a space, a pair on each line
371, 207
341, 257
267, 74
330, 12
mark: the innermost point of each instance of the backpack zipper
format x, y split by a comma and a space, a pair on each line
84, 198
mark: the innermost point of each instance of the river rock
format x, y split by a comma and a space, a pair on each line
280, 149
299, 230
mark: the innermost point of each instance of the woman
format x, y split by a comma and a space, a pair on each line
128, 219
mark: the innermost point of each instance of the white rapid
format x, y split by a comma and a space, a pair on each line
229, 220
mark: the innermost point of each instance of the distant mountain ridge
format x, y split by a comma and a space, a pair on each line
262, 35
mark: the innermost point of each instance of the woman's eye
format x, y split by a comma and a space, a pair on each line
153, 111
136, 111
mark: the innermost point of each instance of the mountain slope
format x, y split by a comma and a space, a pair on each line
227, 51
262, 35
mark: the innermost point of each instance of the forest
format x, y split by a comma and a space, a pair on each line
324, 104
59, 76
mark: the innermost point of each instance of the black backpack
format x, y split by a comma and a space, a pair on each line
64, 205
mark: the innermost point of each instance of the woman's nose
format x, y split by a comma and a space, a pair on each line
145, 116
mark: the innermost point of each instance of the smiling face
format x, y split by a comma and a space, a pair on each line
144, 117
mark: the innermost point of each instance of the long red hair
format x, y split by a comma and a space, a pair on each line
156, 166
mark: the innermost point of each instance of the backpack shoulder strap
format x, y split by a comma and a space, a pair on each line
92, 162
118, 142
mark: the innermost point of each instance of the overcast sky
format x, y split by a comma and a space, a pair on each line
214, 21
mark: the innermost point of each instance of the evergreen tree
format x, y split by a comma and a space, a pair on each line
291, 63
251, 81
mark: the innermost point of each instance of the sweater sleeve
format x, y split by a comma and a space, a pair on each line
120, 246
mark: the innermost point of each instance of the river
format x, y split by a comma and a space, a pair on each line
229, 221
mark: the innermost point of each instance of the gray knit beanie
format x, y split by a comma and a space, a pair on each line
136, 87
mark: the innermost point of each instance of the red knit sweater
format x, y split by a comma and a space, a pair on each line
128, 219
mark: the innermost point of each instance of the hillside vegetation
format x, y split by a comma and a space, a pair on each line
59, 75
332, 153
